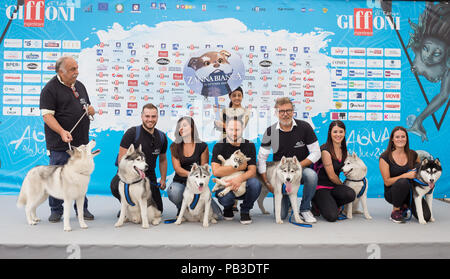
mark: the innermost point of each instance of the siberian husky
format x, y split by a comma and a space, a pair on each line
196, 205
285, 177
355, 172
428, 173
136, 200
236, 159
67, 182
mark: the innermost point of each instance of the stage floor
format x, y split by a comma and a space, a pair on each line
356, 238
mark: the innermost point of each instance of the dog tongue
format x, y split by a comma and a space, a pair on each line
142, 174
288, 187
431, 184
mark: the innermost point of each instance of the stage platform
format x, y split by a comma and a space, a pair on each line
264, 239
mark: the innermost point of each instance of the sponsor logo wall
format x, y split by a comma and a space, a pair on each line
336, 60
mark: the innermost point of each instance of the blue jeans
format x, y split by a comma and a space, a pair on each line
252, 191
175, 193
56, 205
309, 181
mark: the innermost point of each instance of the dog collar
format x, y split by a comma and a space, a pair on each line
421, 183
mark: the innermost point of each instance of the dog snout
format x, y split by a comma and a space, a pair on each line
432, 180
201, 184
288, 179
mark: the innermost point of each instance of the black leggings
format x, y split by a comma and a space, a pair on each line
330, 200
399, 194
156, 195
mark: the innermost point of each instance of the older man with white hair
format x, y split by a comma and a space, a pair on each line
63, 102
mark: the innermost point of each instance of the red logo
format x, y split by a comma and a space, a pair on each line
132, 105
363, 22
34, 13
132, 83
163, 53
308, 93
177, 76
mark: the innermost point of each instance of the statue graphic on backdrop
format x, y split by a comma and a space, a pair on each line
430, 43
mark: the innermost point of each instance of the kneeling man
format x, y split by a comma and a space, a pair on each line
226, 147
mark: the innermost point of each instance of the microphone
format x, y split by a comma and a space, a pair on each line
85, 107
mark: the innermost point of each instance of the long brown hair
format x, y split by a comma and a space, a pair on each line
391, 147
329, 144
176, 148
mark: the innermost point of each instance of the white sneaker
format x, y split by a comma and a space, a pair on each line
308, 217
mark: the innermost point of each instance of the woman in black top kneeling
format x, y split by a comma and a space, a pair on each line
186, 150
397, 164
331, 194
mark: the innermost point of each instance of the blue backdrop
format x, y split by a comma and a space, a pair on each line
334, 59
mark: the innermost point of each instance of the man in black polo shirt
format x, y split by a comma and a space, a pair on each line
291, 137
154, 144
232, 142
63, 101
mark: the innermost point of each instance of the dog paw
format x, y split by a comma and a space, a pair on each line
67, 228
178, 222
205, 225
368, 217
83, 226
118, 224
422, 222
156, 222
432, 219
279, 221
36, 220
145, 226
221, 194
214, 221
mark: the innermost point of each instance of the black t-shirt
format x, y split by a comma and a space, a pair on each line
226, 150
289, 144
187, 162
323, 178
152, 146
68, 110
394, 169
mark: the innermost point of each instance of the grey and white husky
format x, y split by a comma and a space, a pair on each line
67, 182
196, 205
236, 160
355, 172
428, 172
285, 177
136, 200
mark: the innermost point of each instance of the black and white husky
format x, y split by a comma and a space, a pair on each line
196, 205
136, 200
68, 182
285, 177
428, 173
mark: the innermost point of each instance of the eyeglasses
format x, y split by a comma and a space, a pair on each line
286, 111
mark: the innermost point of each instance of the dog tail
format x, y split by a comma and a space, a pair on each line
22, 199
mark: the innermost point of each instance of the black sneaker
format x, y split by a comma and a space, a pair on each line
87, 215
397, 216
245, 218
228, 214
55, 217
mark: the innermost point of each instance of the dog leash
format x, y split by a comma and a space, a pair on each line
298, 224
78, 122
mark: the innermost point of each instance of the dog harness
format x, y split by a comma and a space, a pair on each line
363, 189
194, 201
127, 191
